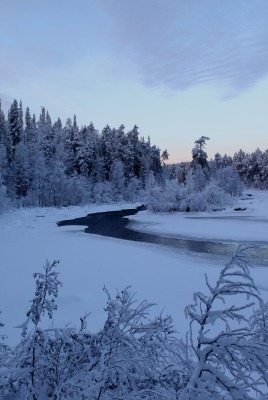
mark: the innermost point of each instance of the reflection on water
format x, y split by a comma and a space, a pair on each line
113, 224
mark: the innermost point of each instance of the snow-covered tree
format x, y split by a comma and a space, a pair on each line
228, 179
264, 170
252, 167
15, 123
3, 125
46, 292
117, 178
198, 153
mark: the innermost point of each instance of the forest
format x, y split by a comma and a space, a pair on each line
45, 163
132, 356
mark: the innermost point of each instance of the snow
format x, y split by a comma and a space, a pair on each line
88, 262
247, 225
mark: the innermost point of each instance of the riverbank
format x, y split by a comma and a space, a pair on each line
246, 220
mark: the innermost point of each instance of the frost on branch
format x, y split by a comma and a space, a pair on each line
139, 357
45, 294
259, 322
231, 363
134, 357
46, 291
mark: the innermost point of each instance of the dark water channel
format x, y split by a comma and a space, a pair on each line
113, 224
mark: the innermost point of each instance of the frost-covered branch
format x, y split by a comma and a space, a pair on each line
229, 358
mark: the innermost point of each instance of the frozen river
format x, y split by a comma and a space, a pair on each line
115, 224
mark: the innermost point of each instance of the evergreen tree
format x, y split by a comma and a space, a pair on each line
48, 136
117, 178
164, 156
72, 146
218, 161
264, 170
28, 120
133, 138
199, 155
30, 131
15, 123
107, 148
240, 161
3, 125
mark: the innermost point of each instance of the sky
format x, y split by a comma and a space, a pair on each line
179, 69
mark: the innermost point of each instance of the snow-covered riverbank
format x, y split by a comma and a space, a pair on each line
247, 220
88, 262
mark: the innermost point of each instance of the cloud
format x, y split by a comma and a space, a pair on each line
181, 43
174, 44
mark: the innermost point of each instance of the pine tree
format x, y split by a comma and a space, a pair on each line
5, 137
133, 138
3, 126
72, 145
107, 148
15, 123
199, 155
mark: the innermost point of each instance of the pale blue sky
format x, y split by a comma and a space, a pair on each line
179, 69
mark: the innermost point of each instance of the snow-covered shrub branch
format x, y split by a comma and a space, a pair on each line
137, 357
231, 360
131, 357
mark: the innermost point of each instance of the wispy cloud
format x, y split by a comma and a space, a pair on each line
181, 43
173, 44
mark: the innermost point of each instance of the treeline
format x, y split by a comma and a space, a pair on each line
51, 164
205, 185
252, 168
198, 185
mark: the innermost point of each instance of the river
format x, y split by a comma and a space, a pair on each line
115, 224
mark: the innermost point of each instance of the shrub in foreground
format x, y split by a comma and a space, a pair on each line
135, 357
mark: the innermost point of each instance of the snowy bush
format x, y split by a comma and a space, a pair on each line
165, 198
131, 357
102, 193
134, 191
201, 186
231, 361
212, 197
134, 357
228, 179
174, 197
196, 179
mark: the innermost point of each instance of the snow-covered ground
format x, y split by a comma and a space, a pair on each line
248, 224
88, 262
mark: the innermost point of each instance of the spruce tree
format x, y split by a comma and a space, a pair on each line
15, 123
